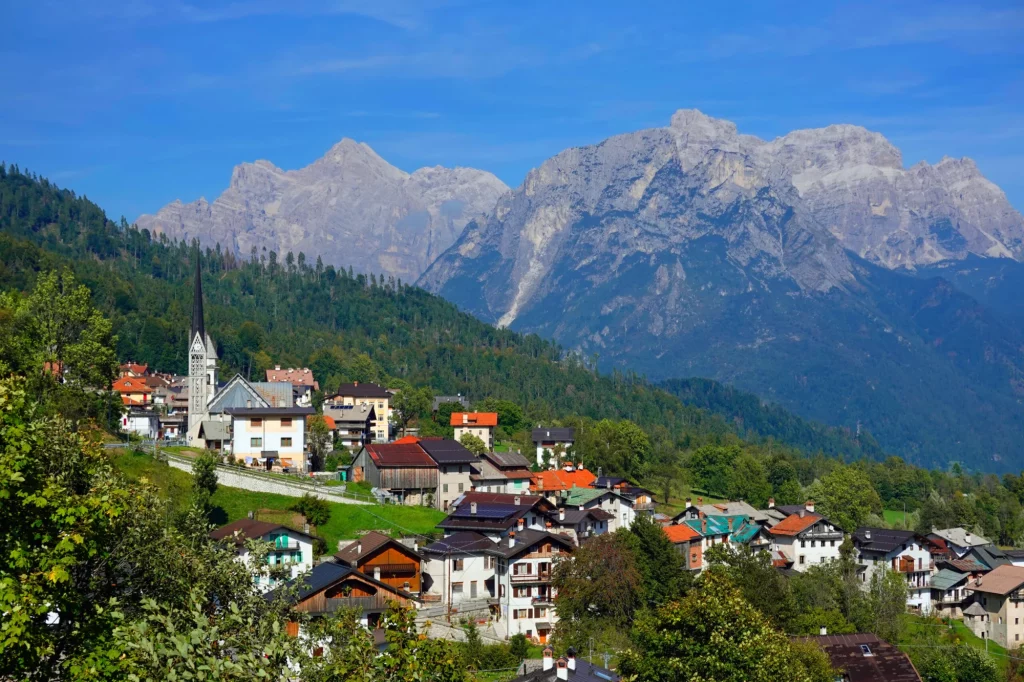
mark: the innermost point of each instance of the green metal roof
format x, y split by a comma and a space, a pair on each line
719, 525
946, 578
575, 497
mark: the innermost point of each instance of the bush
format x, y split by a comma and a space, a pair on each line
519, 646
316, 511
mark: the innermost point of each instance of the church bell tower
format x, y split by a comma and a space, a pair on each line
202, 360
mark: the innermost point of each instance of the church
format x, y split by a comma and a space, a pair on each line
202, 363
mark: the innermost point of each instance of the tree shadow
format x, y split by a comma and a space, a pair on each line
218, 516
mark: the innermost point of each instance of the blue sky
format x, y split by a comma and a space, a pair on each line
138, 103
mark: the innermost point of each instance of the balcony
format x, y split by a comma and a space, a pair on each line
531, 577
643, 506
378, 602
543, 600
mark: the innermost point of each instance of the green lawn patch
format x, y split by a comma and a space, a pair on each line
347, 520
923, 633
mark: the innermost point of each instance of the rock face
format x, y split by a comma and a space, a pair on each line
351, 208
781, 267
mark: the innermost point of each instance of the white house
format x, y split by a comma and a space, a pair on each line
902, 551
144, 423
552, 441
805, 539
479, 424
292, 550
959, 541
611, 501
270, 436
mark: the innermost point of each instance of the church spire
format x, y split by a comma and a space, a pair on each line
198, 325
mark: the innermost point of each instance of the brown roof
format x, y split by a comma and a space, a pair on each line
367, 545
399, 455
246, 529
1001, 580
794, 524
882, 662
294, 376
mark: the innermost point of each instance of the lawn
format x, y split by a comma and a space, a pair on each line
922, 632
347, 520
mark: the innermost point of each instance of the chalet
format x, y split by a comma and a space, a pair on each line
688, 543
958, 540
554, 443
351, 425
386, 559
502, 472
949, 592
270, 437
865, 658
901, 550
454, 467
997, 612
579, 524
552, 483
133, 390
642, 498
512, 575
496, 514
291, 553
611, 501
479, 424
378, 397
332, 586
403, 469
804, 539
568, 668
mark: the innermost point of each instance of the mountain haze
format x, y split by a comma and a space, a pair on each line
800, 269
350, 207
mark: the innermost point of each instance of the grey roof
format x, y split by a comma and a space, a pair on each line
882, 540
486, 471
276, 393
961, 537
237, 392
947, 578
990, 555
532, 670
351, 414
975, 609
361, 390
554, 434
468, 541
465, 541
444, 451
508, 460
441, 399
270, 411
215, 430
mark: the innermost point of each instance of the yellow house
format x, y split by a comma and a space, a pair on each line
377, 397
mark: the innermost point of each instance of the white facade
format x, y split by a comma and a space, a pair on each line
621, 508
453, 480
526, 594
817, 544
484, 433
291, 549
914, 562
460, 578
145, 424
254, 434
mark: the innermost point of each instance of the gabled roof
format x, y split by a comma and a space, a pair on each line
882, 540
966, 565
794, 524
575, 516
975, 609
1001, 580
358, 389
474, 419
270, 411
365, 546
533, 671
448, 451
553, 434
330, 573
526, 501
127, 384
358, 415
246, 529
990, 555
471, 542
215, 430
237, 392
399, 455
717, 525
463, 541
865, 658
681, 533
576, 497
294, 376
947, 578
560, 479
960, 537
276, 393
134, 368
507, 460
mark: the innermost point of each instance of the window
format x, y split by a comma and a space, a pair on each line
522, 592
814, 543
286, 421
833, 543
445, 486
801, 559
256, 442
460, 487
457, 588
256, 422
803, 543
460, 469
457, 564
286, 442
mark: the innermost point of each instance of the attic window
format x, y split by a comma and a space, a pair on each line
866, 650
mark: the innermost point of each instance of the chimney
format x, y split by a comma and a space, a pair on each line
700, 501
277, 368
251, 514
967, 538
771, 503
809, 505
561, 514
376, 573
730, 524
522, 524
355, 383
867, 534
517, 501
305, 527
549, 662
465, 418
704, 526
608, 483
562, 669
511, 539
472, 507
823, 631
570, 659
802, 513
359, 548
688, 501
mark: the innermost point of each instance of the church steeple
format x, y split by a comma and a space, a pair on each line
198, 324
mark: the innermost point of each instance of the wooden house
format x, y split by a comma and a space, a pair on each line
403, 469
384, 558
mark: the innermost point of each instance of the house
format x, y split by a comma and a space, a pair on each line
270, 436
642, 498
459, 399
579, 524
142, 422
290, 556
555, 481
403, 469
997, 613
553, 443
865, 658
496, 515
386, 559
351, 425
501, 472
694, 511
902, 551
805, 539
454, 467
611, 501
689, 543
133, 390
133, 369
958, 540
567, 668
357, 393
735, 530
238, 393
479, 424
949, 592
172, 426
216, 435
511, 575
331, 587
301, 379
1016, 556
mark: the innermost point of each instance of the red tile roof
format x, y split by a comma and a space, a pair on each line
134, 368
131, 385
405, 440
295, 376
681, 533
795, 524
399, 455
474, 419
329, 420
560, 479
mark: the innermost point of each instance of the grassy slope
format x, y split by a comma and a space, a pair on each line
924, 632
346, 520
